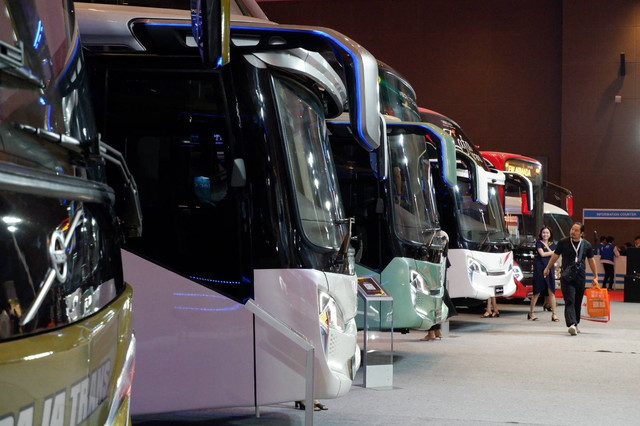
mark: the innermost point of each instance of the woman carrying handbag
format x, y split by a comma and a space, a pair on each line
544, 284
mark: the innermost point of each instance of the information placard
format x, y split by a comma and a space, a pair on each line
370, 287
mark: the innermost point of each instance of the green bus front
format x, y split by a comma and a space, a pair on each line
390, 194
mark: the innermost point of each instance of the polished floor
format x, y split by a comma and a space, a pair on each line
496, 371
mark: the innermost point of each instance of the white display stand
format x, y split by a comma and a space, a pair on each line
377, 358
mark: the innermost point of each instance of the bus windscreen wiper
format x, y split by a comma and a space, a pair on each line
59, 138
432, 229
486, 236
343, 254
490, 232
12, 63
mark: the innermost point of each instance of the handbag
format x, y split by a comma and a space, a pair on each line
595, 305
575, 272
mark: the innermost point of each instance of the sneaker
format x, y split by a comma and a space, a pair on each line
577, 329
573, 330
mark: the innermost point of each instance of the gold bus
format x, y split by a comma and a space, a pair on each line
66, 342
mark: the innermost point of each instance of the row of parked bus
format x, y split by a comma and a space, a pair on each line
231, 179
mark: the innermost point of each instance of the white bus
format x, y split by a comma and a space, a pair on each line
473, 217
240, 202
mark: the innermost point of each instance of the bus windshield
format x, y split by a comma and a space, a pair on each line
528, 169
560, 224
236, 7
415, 212
310, 163
29, 97
479, 223
397, 97
524, 229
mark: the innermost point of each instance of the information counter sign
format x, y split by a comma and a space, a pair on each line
611, 214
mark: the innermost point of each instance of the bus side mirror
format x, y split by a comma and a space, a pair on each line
478, 177
481, 184
570, 206
447, 149
449, 160
526, 208
210, 26
382, 154
442, 141
524, 186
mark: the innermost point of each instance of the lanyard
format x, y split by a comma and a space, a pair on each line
576, 249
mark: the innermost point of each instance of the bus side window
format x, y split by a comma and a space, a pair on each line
209, 168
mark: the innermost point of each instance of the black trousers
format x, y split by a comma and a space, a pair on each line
572, 293
609, 275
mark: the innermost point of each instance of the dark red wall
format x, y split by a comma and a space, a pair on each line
536, 77
600, 138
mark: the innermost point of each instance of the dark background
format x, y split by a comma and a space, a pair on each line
534, 77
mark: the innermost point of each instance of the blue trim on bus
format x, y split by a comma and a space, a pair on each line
292, 30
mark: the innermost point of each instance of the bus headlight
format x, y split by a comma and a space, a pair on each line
420, 294
517, 273
122, 390
330, 317
474, 267
351, 261
418, 284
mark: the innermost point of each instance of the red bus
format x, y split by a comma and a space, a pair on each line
524, 228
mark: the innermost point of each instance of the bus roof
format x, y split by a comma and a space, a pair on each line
249, 34
497, 159
462, 141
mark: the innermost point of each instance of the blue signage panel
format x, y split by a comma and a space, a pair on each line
611, 214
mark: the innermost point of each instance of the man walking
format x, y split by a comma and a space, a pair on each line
574, 250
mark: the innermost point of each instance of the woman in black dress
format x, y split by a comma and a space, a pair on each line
544, 250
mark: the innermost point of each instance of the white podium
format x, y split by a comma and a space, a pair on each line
377, 358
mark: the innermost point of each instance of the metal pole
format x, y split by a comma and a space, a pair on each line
392, 314
364, 335
301, 341
309, 406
